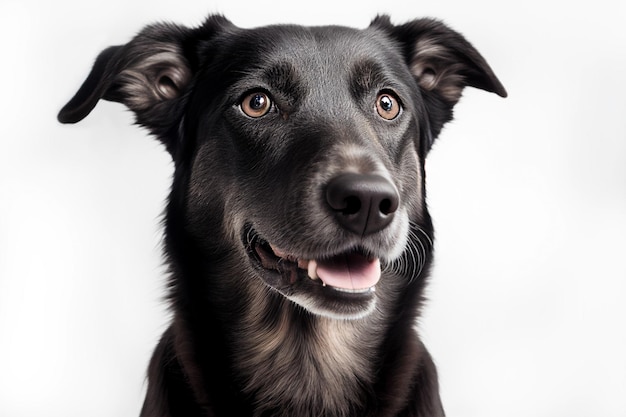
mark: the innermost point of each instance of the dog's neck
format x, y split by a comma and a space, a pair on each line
294, 363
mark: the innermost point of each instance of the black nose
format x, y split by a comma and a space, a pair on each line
363, 203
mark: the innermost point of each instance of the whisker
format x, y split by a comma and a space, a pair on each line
412, 262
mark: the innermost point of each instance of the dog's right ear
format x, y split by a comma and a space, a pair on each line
150, 75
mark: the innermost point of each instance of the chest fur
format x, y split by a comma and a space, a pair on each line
293, 364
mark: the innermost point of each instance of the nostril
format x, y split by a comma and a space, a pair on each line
386, 206
353, 205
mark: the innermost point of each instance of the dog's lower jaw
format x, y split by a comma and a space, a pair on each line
314, 307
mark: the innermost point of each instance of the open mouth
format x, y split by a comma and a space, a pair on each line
349, 272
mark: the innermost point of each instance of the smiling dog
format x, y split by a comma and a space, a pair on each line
296, 231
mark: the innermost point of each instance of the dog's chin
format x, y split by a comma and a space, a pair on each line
341, 286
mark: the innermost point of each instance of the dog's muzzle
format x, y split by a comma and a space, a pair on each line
337, 282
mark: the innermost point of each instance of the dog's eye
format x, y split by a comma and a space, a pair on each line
387, 106
256, 104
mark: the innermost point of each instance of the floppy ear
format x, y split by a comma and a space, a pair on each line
150, 75
443, 63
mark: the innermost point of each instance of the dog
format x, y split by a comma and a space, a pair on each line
296, 232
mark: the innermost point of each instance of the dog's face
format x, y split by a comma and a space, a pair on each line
310, 111
299, 151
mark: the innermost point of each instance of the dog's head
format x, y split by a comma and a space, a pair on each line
299, 152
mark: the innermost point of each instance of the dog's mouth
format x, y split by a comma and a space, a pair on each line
352, 272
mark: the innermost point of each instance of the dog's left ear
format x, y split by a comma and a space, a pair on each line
443, 63
151, 75
146, 74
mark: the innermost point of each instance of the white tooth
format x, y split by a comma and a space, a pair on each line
312, 269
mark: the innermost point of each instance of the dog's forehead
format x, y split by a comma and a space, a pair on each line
316, 54
318, 43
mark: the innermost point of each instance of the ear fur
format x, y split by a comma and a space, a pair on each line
150, 75
144, 73
443, 63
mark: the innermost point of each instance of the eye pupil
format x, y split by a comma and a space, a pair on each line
258, 101
386, 103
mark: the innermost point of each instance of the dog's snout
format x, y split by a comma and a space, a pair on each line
363, 203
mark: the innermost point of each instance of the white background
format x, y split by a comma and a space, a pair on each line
527, 305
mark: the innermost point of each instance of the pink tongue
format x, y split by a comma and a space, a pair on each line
351, 271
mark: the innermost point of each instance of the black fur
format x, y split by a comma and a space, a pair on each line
250, 208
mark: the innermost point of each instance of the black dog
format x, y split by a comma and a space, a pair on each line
296, 231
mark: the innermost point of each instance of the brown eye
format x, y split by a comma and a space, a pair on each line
387, 106
256, 104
